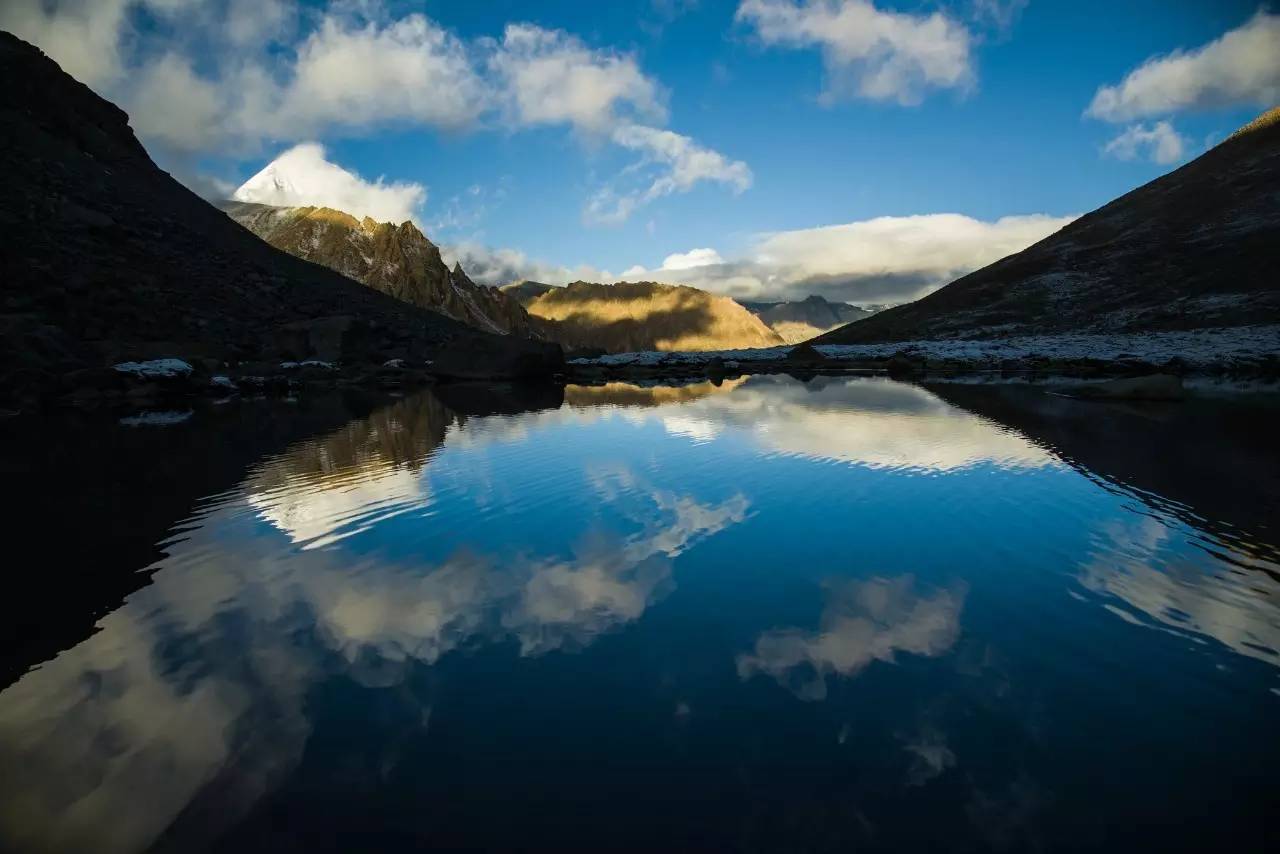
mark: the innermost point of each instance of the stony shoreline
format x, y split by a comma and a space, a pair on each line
1241, 351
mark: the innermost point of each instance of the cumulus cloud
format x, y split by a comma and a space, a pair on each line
551, 77
867, 52
670, 163
359, 76
1241, 67
302, 176
83, 36
230, 77
1160, 142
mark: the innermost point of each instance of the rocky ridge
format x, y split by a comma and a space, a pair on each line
397, 260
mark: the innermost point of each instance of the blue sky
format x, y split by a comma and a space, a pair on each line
754, 147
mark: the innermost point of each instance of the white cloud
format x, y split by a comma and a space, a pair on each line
268, 73
1240, 67
302, 176
692, 258
549, 77
1159, 141
670, 163
867, 52
81, 36
354, 76
863, 621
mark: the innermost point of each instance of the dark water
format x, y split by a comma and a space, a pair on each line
844, 615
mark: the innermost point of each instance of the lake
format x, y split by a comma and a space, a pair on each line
764, 615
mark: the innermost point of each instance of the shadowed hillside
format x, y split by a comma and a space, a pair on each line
1193, 249
632, 316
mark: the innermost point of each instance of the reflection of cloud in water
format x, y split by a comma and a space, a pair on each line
930, 756
310, 511
1138, 562
862, 622
190, 697
873, 422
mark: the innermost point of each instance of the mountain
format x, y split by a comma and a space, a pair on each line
1196, 248
397, 260
804, 319
632, 316
526, 291
106, 258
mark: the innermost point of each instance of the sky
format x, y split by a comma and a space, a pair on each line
865, 150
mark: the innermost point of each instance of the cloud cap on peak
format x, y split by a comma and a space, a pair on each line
302, 176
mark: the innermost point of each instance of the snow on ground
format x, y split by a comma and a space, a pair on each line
1198, 348
156, 368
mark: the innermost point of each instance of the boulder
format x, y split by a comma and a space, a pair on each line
1151, 387
805, 354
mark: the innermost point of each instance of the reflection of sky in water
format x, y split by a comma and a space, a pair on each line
677, 555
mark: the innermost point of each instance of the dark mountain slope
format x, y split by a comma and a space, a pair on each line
1196, 248
105, 257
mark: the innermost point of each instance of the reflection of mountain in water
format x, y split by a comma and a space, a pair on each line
631, 394
1203, 468
190, 698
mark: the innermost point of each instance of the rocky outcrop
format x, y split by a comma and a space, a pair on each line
397, 260
107, 259
631, 316
526, 291
1194, 249
807, 318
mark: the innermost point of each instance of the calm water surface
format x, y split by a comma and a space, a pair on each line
769, 615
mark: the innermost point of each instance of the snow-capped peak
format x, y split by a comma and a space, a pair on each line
302, 176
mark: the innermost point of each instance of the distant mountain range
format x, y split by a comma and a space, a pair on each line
1196, 248
633, 316
397, 260
807, 318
